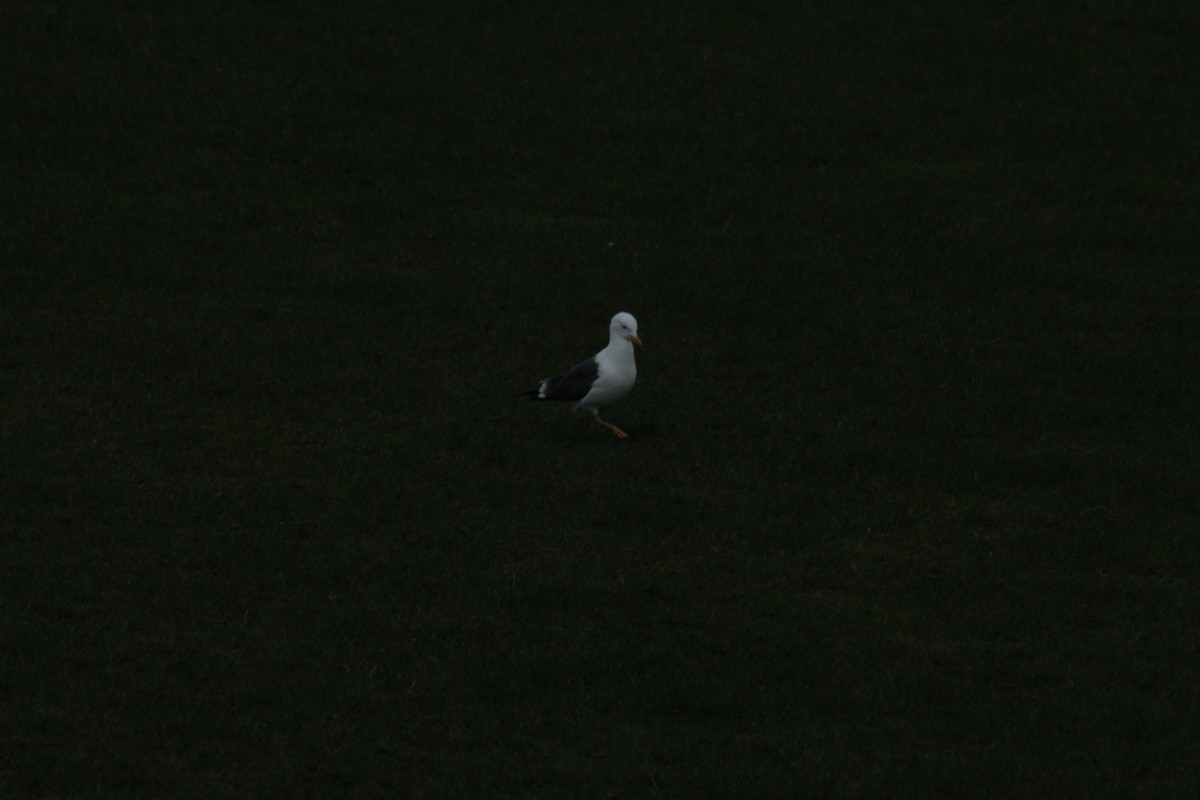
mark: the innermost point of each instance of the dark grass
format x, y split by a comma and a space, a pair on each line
909, 508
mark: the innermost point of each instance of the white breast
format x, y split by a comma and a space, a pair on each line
617, 372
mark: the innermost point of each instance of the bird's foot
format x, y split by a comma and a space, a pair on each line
619, 433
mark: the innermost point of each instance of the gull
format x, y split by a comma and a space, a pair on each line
600, 380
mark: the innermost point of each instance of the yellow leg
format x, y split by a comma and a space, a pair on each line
620, 433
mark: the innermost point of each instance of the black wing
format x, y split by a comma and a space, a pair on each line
570, 387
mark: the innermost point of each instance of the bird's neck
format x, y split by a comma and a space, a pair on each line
619, 344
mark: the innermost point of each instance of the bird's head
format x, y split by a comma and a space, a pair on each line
624, 326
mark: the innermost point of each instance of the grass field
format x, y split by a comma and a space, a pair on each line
910, 503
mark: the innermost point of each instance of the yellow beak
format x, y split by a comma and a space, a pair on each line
637, 340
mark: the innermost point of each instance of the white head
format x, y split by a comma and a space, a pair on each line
624, 326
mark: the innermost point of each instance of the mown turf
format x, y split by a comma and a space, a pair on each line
909, 508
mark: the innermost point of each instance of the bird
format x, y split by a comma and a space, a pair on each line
600, 380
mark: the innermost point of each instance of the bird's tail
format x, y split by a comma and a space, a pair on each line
535, 394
